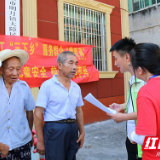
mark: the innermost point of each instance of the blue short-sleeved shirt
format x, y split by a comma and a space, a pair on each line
59, 103
14, 127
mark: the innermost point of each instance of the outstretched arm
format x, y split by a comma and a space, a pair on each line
118, 107
120, 117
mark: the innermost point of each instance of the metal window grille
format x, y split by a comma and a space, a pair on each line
86, 26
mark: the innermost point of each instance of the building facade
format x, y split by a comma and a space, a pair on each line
99, 23
144, 20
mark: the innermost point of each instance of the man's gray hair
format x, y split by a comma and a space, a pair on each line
62, 57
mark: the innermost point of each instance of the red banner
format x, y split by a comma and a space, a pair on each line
43, 54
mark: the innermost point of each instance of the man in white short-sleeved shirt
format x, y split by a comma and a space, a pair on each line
60, 100
16, 100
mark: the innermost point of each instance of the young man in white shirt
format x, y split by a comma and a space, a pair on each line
121, 53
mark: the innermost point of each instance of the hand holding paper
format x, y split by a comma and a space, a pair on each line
90, 98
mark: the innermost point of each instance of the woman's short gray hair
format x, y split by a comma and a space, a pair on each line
62, 57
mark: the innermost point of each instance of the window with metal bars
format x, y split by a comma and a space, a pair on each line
87, 26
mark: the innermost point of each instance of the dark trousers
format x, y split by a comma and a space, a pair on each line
60, 141
132, 150
20, 153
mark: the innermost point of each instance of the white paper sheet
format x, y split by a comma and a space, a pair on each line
90, 98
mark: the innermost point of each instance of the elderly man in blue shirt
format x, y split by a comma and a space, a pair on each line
15, 100
60, 100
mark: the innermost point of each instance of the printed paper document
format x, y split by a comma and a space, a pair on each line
90, 98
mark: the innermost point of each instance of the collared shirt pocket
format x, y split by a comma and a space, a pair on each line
17, 133
56, 98
74, 99
25, 130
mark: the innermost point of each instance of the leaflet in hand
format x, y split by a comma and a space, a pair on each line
90, 98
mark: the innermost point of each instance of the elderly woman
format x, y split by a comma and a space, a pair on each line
145, 58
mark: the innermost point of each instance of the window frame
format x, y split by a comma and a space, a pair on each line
88, 21
130, 5
97, 6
